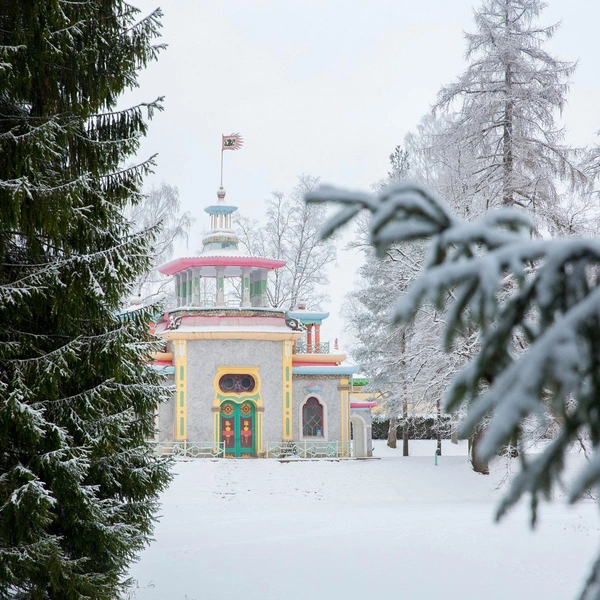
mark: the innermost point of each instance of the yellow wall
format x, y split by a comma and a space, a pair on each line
344, 388
180, 364
287, 411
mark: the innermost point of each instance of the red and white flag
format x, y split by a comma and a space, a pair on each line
233, 141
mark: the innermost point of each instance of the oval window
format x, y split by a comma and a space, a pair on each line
227, 383
237, 383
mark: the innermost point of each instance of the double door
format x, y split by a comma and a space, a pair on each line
237, 428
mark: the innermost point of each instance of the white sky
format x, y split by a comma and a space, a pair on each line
322, 87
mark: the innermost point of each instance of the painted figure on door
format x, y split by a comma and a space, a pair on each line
246, 434
228, 434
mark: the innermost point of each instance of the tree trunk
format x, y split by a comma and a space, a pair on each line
405, 428
507, 138
393, 432
404, 398
454, 430
479, 466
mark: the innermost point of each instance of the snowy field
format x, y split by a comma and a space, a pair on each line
390, 528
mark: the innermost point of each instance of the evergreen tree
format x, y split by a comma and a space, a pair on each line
78, 482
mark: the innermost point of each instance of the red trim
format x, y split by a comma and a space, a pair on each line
181, 264
362, 404
301, 363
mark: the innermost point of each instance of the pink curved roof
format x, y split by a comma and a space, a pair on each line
180, 264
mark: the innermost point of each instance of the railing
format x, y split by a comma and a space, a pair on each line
185, 449
321, 348
309, 449
286, 449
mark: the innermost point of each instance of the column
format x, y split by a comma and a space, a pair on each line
253, 299
177, 280
183, 289
344, 389
287, 408
246, 287
309, 338
196, 288
263, 288
180, 364
220, 299
190, 291
317, 338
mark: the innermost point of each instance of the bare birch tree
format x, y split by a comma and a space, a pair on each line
292, 233
160, 210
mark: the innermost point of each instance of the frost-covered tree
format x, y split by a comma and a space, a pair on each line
443, 163
404, 366
376, 347
504, 108
292, 233
507, 286
159, 211
78, 483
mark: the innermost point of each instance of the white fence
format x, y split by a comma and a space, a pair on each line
185, 449
309, 449
280, 450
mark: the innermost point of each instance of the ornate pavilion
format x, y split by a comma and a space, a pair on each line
250, 380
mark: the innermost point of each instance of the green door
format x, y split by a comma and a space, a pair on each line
237, 429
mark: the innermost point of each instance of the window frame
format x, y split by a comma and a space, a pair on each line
324, 429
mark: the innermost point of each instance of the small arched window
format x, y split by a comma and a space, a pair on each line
312, 418
236, 384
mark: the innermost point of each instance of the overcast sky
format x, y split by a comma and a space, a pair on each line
322, 87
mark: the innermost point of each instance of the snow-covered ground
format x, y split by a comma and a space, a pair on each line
390, 528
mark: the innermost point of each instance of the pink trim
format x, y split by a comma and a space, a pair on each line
181, 264
362, 404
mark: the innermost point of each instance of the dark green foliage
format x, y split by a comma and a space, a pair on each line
419, 428
78, 483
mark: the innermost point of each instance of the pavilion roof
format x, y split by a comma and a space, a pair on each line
257, 262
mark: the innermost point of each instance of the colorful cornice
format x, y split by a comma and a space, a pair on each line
257, 262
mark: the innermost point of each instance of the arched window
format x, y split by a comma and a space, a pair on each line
312, 418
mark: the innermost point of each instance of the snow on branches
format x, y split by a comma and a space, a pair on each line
491, 276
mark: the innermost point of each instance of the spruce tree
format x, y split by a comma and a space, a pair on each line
78, 482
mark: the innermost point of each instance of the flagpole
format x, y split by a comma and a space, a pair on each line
233, 141
221, 160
